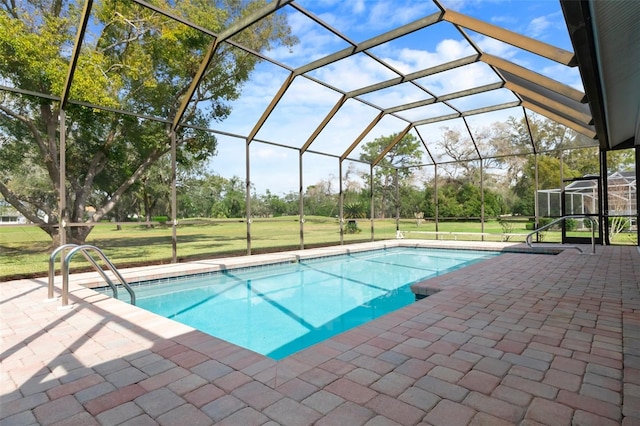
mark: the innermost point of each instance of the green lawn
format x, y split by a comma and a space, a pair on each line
25, 250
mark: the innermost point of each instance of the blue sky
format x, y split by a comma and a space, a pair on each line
306, 103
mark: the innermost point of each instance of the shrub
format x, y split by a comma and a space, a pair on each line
162, 219
352, 227
507, 228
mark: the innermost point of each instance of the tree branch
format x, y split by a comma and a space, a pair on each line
115, 197
47, 151
11, 9
26, 121
12, 199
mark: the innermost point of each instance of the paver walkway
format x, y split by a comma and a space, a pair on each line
519, 339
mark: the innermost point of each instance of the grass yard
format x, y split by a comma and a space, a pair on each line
25, 250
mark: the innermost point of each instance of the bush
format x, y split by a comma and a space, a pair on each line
507, 228
162, 219
351, 227
544, 221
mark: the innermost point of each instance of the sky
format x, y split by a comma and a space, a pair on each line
306, 102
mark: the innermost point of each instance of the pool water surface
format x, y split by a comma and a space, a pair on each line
280, 309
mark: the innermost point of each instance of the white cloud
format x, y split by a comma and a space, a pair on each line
504, 20
538, 26
353, 72
266, 152
569, 76
358, 6
496, 47
408, 60
391, 14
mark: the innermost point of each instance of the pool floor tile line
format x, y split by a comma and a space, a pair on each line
518, 339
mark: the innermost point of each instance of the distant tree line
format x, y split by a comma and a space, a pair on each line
508, 183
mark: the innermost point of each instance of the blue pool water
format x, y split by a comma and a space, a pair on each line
278, 310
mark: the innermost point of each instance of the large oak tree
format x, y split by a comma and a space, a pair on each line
132, 59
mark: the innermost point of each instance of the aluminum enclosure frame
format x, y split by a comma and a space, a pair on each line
532, 91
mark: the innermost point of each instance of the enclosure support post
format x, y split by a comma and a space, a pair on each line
435, 195
604, 222
301, 209
371, 199
174, 203
341, 203
62, 230
637, 194
482, 198
397, 203
562, 198
247, 194
536, 210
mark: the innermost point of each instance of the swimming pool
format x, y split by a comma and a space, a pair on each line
280, 309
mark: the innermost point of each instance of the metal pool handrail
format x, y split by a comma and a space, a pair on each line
84, 249
52, 266
561, 219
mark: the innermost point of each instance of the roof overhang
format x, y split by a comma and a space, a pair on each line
606, 41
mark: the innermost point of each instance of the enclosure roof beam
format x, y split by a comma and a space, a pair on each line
491, 108
414, 76
229, 32
561, 112
174, 17
77, 47
364, 133
467, 113
393, 143
424, 144
473, 91
503, 65
203, 30
526, 119
447, 97
543, 91
534, 46
410, 105
437, 119
585, 130
324, 123
473, 140
372, 42
31, 93
274, 101
552, 104
322, 23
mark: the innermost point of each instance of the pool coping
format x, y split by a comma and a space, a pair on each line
173, 270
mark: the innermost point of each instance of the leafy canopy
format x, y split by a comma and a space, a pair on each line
132, 59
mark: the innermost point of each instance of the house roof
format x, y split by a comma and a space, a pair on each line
606, 40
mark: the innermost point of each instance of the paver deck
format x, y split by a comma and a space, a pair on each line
519, 339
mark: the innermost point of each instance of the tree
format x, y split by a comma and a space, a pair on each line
232, 202
320, 200
464, 154
401, 157
133, 59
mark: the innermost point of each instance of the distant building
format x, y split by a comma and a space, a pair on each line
10, 216
581, 197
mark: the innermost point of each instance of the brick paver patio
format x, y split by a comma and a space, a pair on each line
519, 339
